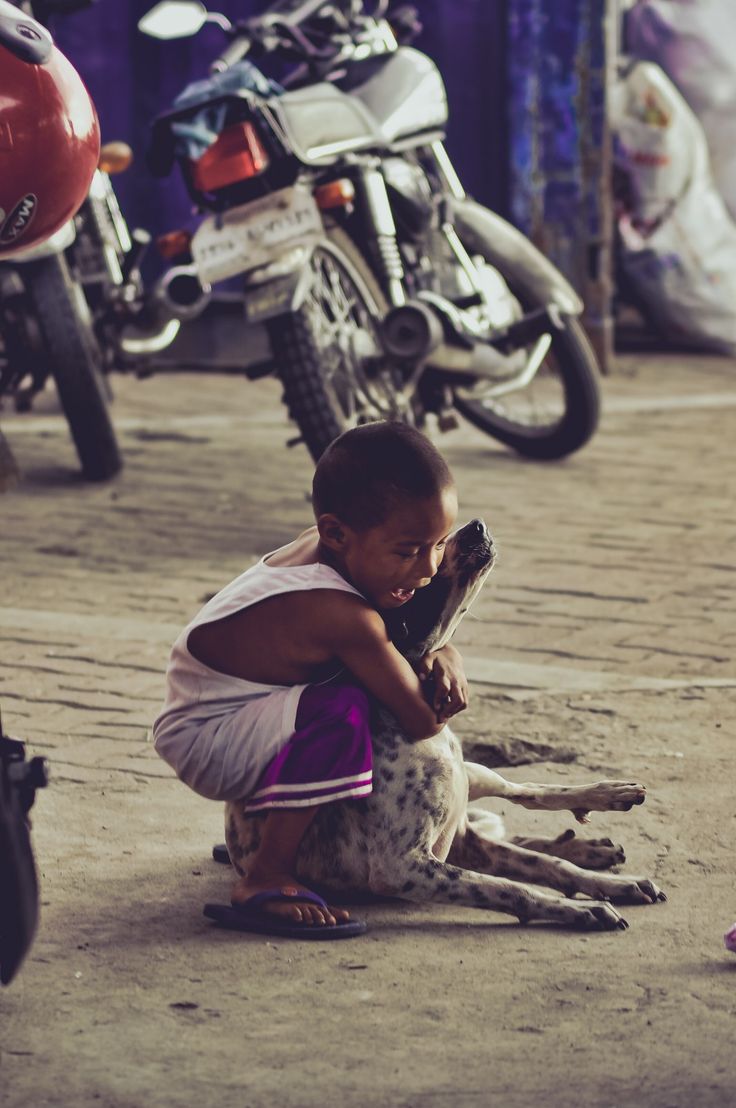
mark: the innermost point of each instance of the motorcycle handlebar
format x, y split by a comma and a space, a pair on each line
284, 20
233, 53
292, 12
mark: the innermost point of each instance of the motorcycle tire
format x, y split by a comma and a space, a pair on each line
75, 360
330, 383
570, 371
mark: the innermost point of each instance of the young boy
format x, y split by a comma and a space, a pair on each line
257, 704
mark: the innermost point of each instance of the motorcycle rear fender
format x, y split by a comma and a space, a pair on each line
56, 244
268, 297
514, 256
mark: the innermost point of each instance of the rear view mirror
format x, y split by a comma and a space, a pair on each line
173, 19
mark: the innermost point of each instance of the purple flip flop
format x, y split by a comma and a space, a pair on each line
251, 916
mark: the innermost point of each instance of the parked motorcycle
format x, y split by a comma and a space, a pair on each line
45, 321
316, 148
65, 304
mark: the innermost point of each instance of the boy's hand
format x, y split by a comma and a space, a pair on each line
443, 675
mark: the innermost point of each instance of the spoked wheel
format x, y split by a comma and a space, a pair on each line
329, 353
552, 416
549, 406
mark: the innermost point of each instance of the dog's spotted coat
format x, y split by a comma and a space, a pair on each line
418, 837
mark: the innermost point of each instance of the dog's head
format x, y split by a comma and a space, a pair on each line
429, 620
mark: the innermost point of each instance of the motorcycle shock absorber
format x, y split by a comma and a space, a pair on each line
381, 232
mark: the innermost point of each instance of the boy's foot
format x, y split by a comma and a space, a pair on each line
297, 911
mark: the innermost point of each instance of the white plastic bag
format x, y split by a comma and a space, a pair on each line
678, 239
694, 41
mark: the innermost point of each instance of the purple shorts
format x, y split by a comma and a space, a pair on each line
329, 756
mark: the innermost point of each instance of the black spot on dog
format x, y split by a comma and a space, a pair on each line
408, 886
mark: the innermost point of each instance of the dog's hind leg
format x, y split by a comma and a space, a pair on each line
423, 878
588, 853
603, 796
474, 852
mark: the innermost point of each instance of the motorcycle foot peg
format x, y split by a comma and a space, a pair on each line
411, 332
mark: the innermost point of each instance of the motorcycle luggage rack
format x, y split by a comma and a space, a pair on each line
160, 153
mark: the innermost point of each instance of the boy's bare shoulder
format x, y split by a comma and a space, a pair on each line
344, 615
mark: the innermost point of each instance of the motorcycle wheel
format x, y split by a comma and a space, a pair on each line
557, 412
329, 353
75, 360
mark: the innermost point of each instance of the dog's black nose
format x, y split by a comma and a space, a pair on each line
478, 527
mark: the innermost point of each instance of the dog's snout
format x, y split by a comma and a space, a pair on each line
476, 534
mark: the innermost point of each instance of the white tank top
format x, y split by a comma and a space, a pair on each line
197, 694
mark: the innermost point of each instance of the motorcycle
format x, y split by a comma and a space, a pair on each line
315, 152
47, 329
65, 303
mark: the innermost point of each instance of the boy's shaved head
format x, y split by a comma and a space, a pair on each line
368, 471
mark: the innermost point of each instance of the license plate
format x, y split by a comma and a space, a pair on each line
255, 234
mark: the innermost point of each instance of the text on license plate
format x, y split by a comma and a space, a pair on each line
254, 234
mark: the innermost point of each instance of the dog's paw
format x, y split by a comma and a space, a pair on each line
622, 889
600, 917
588, 853
638, 890
582, 915
616, 796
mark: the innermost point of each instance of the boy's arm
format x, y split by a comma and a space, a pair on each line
357, 635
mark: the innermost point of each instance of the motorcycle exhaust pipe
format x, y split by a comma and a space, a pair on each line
420, 332
181, 292
414, 334
178, 296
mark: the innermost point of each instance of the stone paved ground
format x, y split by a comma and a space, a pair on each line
608, 629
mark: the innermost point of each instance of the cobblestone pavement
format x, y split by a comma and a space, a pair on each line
607, 629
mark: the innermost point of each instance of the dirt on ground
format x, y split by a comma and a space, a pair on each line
603, 643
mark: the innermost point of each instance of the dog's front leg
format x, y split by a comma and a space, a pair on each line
421, 877
604, 796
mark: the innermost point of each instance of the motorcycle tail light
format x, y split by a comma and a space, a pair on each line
236, 155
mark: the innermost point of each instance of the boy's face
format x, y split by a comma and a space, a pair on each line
388, 562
